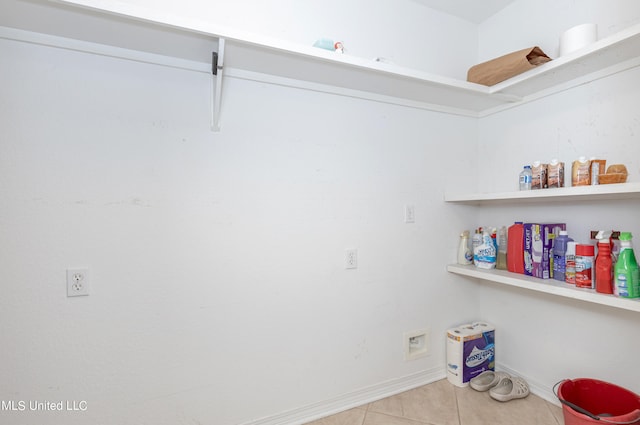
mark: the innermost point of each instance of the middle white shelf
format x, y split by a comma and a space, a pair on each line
549, 286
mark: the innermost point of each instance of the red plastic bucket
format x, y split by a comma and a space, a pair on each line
601, 403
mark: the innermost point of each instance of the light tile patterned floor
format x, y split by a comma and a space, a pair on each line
441, 403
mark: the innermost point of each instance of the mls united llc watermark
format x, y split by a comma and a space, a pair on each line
43, 406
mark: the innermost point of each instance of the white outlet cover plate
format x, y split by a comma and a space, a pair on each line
78, 282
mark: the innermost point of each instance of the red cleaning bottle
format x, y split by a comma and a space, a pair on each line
515, 248
604, 264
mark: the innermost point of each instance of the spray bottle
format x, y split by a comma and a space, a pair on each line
484, 255
626, 273
604, 264
494, 237
476, 242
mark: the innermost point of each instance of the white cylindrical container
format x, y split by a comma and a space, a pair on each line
464, 252
578, 37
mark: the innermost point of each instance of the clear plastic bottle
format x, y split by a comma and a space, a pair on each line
501, 262
525, 178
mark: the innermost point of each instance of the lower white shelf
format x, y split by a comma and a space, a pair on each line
549, 286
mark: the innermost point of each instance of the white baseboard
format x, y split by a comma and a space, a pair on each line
353, 399
382, 390
537, 388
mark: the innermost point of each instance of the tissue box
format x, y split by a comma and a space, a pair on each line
538, 248
470, 351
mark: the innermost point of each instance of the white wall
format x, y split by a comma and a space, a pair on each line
219, 293
404, 32
526, 23
541, 336
545, 337
218, 289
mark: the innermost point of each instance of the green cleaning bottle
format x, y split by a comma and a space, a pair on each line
627, 277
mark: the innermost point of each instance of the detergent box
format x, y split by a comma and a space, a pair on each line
470, 351
538, 248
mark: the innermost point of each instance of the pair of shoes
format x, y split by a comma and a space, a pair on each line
510, 388
501, 385
487, 380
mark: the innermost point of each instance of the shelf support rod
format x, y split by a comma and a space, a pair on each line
217, 67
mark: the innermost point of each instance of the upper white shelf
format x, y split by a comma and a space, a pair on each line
564, 194
607, 56
549, 286
257, 54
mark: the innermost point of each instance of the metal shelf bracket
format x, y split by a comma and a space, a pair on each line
217, 68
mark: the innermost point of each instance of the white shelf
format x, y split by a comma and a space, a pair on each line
564, 194
549, 286
254, 54
605, 57
364, 76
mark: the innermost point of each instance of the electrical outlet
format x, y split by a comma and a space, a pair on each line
409, 214
351, 259
77, 282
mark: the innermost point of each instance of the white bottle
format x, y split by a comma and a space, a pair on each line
484, 255
476, 242
464, 252
525, 178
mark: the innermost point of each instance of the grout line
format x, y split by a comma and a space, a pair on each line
366, 412
455, 397
457, 391
551, 412
417, 421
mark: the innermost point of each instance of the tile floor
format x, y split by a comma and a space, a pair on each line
441, 403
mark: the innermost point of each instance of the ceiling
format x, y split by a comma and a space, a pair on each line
470, 10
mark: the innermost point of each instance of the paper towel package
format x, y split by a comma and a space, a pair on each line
470, 351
